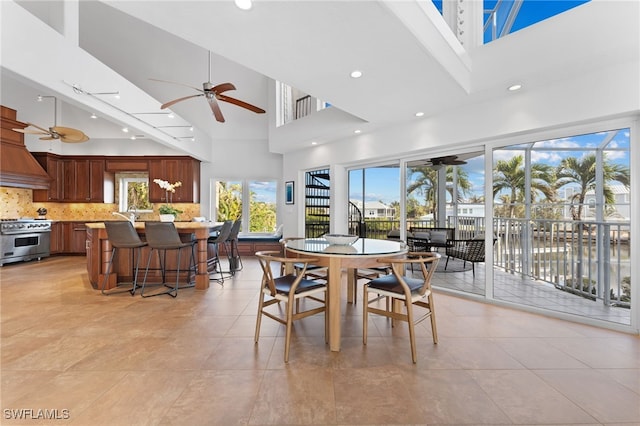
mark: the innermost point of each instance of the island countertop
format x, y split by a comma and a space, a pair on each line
179, 225
99, 252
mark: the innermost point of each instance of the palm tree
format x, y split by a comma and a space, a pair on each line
582, 172
426, 184
509, 175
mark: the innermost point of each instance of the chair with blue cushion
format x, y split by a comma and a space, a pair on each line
398, 287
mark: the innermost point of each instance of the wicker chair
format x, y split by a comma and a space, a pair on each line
471, 250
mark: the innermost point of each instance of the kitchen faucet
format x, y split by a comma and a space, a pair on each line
131, 218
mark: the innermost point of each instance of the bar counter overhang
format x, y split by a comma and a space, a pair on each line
99, 252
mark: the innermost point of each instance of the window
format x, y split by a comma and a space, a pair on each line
254, 199
133, 192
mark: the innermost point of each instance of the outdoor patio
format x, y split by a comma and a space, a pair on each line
526, 291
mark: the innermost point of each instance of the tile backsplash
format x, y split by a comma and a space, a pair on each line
18, 203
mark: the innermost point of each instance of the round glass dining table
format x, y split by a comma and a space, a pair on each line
363, 253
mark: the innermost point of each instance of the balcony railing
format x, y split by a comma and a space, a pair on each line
590, 259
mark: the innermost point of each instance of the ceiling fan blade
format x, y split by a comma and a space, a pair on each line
223, 87
70, 135
215, 108
179, 84
38, 127
241, 104
30, 132
175, 101
48, 138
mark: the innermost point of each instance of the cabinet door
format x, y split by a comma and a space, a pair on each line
172, 170
96, 181
69, 180
78, 238
74, 237
169, 170
82, 178
54, 169
156, 171
56, 238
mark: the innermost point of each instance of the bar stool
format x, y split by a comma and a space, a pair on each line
122, 235
163, 236
235, 261
214, 261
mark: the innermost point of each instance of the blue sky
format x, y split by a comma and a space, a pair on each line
382, 184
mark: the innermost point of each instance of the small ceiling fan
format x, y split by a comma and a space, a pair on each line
212, 94
65, 134
448, 160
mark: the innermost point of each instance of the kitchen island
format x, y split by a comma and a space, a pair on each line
99, 252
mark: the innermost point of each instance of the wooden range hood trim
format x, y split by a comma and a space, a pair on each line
18, 168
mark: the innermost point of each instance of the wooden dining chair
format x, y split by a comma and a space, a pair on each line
288, 288
399, 288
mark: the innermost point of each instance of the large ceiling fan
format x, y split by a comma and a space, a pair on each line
212, 94
65, 134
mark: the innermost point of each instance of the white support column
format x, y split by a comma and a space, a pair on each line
466, 20
339, 201
71, 29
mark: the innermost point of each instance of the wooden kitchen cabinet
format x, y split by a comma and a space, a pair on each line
175, 169
57, 241
53, 165
89, 180
74, 236
74, 179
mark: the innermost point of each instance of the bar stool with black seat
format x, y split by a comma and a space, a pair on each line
161, 237
398, 287
122, 236
235, 261
216, 273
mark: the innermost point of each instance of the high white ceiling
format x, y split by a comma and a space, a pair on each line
311, 45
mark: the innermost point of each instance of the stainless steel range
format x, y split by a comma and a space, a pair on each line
24, 239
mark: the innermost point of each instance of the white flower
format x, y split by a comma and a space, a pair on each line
169, 187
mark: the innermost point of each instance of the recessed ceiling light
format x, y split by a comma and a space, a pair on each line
93, 115
133, 137
244, 4
515, 87
314, 143
39, 98
124, 129
357, 131
191, 129
170, 115
117, 96
356, 74
419, 114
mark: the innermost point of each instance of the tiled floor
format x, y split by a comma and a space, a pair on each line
123, 360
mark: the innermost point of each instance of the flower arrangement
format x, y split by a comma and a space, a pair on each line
170, 189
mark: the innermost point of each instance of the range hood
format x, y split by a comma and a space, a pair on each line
18, 168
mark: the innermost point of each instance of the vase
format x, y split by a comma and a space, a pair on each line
167, 218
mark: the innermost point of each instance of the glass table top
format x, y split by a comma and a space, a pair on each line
362, 246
